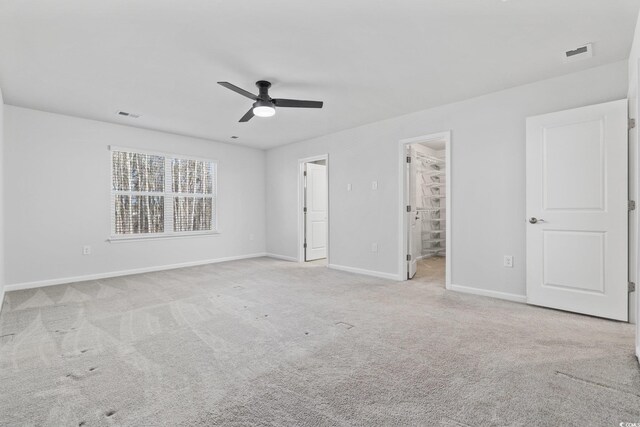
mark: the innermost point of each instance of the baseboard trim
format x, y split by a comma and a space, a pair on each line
63, 280
488, 293
282, 257
379, 274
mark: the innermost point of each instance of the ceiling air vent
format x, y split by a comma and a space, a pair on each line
130, 115
579, 53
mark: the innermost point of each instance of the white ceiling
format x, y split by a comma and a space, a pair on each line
366, 59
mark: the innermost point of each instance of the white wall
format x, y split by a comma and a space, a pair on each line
488, 179
634, 158
57, 198
2, 275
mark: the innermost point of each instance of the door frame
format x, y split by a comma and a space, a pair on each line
633, 108
301, 224
403, 225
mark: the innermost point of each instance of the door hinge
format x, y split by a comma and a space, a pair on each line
305, 245
305, 173
632, 205
304, 210
632, 123
632, 287
408, 257
408, 208
408, 159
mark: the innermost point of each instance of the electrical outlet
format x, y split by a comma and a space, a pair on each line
508, 261
374, 247
374, 185
86, 250
348, 187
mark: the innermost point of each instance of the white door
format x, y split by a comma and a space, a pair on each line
316, 196
577, 210
414, 243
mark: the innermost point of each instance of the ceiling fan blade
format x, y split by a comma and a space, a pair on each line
297, 103
241, 91
248, 116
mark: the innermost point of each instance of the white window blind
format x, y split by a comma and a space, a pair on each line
155, 195
192, 185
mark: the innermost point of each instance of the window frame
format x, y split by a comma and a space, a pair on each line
168, 195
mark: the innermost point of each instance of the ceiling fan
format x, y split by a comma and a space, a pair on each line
264, 105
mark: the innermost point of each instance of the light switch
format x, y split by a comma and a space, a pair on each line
374, 185
348, 187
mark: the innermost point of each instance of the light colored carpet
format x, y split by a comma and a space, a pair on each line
265, 342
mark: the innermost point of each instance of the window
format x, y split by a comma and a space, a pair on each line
157, 195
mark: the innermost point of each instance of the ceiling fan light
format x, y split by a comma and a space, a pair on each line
263, 109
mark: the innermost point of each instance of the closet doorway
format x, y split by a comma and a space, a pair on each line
314, 210
426, 209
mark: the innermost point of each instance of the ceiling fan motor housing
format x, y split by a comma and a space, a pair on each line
263, 103
263, 88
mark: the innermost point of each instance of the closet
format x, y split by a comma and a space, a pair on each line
430, 209
428, 191
426, 195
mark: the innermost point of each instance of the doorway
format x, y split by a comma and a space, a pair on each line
426, 209
314, 210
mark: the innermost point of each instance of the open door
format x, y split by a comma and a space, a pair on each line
316, 205
577, 210
414, 231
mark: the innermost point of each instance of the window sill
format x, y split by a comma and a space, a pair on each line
138, 238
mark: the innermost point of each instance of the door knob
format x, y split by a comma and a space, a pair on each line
534, 220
